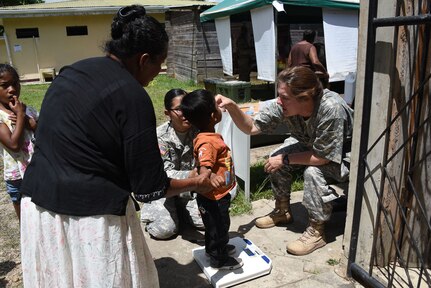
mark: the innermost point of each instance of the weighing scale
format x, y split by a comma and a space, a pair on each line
256, 264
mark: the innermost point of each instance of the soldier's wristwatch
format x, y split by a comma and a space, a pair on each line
286, 159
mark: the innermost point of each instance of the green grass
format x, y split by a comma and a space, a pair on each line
32, 94
260, 188
333, 262
158, 88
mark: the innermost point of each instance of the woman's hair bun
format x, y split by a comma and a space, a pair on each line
130, 13
124, 16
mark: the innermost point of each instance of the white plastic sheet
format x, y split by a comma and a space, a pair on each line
225, 43
341, 41
264, 39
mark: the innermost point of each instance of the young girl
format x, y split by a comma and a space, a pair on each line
17, 124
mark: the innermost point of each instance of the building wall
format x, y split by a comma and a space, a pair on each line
53, 48
193, 48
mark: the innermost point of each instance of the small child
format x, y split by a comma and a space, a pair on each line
210, 151
17, 124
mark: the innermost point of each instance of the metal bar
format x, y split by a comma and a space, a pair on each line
425, 156
366, 113
406, 227
353, 269
399, 113
402, 20
363, 278
409, 138
380, 193
421, 260
414, 145
389, 224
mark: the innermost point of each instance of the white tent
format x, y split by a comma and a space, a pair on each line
340, 23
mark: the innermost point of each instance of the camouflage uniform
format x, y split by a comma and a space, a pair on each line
328, 133
161, 215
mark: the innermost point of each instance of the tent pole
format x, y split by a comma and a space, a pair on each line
276, 50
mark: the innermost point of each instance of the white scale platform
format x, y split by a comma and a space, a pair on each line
256, 264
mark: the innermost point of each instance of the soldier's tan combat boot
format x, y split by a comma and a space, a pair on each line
280, 215
313, 238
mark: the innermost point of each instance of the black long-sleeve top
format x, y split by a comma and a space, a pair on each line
95, 143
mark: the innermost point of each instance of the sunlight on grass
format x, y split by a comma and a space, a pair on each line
32, 94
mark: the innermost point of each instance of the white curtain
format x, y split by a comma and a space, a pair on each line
264, 38
225, 43
341, 41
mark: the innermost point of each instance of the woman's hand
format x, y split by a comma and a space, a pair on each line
273, 163
204, 184
193, 173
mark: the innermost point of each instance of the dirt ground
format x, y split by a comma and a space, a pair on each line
10, 261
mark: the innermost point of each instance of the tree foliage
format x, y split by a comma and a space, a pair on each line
18, 2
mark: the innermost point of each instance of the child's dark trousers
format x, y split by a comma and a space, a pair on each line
215, 215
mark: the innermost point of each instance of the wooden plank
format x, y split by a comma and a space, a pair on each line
208, 64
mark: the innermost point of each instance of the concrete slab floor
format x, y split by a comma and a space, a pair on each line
177, 268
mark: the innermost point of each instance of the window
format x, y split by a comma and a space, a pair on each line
76, 30
27, 33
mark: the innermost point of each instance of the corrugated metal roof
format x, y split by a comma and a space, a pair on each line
75, 7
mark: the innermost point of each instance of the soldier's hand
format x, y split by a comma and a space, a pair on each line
223, 102
273, 163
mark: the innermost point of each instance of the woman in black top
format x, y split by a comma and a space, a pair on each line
96, 143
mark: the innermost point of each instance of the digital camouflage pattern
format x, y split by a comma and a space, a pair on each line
328, 133
161, 215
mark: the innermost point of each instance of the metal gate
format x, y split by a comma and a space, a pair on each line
401, 251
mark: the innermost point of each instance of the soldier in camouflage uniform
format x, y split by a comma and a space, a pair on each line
176, 148
320, 126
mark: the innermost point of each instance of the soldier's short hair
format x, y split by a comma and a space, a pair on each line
303, 83
170, 95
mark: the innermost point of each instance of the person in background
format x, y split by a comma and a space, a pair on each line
320, 125
96, 143
17, 125
175, 139
304, 53
245, 54
213, 155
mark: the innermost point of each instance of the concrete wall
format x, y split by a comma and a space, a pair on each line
379, 111
53, 48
